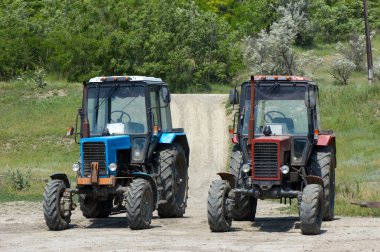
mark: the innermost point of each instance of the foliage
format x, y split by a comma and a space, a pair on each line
273, 52
19, 181
341, 69
355, 50
246, 16
173, 40
336, 20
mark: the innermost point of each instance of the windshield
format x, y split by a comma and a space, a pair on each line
281, 107
116, 109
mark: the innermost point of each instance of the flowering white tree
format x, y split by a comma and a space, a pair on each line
272, 52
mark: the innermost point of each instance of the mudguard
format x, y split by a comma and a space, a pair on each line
61, 176
176, 137
325, 140
228, 177
152, 184
314, 180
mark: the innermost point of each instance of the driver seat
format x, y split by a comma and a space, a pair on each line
288, 123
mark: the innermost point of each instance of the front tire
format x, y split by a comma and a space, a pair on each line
311, 209
172, 167
56, 217
217, 206
321, 165
139, 204
245, 210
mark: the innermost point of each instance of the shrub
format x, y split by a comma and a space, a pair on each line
355, 51
341, 69
18, 180
39, 77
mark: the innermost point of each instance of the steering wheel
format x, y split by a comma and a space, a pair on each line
120, 119
268, 116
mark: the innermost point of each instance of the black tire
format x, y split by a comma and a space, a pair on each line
139, 204
321, 165
55, 217
172, 166
311, 209
217, 207
92, 208
245, 210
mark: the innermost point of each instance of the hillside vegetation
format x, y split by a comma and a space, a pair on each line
47, 47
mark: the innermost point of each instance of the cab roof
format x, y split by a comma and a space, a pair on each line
148, 80
280, 78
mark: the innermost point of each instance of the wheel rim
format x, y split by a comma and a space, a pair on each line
179, 180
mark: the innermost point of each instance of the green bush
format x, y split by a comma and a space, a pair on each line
341, 69
18, 180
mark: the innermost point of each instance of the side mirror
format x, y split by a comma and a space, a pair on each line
166, 95
234, 97
310, 100
70, 131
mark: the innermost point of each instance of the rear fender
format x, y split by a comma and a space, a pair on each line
229, 178
152, 184
180, 138
328, 140
61, 176
325, 140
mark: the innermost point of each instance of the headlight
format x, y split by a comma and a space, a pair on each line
285, 169
112, 167
76, 167
246, 168
138, 149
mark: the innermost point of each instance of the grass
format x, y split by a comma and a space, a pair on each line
33, 124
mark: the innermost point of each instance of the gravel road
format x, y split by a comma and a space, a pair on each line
22, 226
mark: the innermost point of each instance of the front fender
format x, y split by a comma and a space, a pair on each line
229, 178
61, 176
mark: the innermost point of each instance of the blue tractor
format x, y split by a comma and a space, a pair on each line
131, 158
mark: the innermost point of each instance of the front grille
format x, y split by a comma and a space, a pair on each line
94, 152
265, 160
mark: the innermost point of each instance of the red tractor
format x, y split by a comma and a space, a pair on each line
279, 152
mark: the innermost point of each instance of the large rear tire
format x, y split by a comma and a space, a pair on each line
139, 204
172, 166
321, 165
92, 208
245, 209
56, 217
217, 206
311, 209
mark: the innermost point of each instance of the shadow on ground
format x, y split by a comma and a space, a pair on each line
276, 224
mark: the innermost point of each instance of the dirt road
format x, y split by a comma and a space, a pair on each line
22, 227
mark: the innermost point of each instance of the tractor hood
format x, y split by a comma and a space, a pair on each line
112, 143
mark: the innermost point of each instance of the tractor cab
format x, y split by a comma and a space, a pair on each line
127, 106
133, 109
